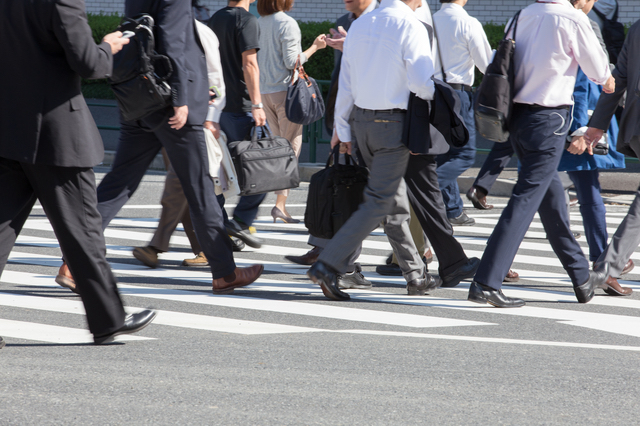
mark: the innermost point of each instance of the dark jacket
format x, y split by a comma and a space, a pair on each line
627, 75
177, 37
46, 47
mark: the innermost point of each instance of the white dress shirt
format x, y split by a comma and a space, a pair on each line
385, 57
463, 43
211, 47
552, 40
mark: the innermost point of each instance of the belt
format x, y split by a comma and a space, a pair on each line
464, 87
536, 107
384, 111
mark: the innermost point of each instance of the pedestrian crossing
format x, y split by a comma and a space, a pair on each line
283, 301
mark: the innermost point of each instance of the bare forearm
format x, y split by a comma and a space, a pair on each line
252, 79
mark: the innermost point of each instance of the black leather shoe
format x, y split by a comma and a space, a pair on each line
390, 270
480, 293
354, 279
597, 278
1, 342
462, 220
420, 286
327, 280
236, 230
237, 244
132, 324
478, 199
466, 271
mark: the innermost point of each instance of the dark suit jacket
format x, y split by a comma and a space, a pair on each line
46, 46
177, 37
627, 75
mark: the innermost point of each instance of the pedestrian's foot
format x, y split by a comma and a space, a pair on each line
147, 255
199, 260
65, 279
462, 220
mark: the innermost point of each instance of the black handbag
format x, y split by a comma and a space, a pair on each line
264, 165
139, 77
494, 98
304, 104
334, 194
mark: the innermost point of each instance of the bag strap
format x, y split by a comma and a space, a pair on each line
335, 156
435, 33
301, 73
514, 24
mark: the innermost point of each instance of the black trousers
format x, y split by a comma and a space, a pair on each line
68, 196
426, 199
187, 152
496, 161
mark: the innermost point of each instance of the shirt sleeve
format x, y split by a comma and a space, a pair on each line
291, 45
594, 62
211, 46
249, 34
479, 47
345, 98
418, 61
580, 102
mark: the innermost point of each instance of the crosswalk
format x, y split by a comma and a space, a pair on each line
283, 301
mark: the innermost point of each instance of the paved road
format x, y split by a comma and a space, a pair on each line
278, 352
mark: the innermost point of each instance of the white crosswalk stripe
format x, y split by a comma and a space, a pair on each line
284, 289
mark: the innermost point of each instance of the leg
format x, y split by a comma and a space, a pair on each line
496, 161
68, 196
592, 210
136, 151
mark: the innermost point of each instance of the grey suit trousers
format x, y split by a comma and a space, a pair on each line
378, 137
627, 236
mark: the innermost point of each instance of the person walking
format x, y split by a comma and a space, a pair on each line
387, 45
49, 145
553, 40
280, 51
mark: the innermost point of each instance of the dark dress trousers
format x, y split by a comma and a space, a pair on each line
49, 142
140, 142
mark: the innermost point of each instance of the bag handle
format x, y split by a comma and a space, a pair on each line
514, 24
301, 73
254, 133
335, 156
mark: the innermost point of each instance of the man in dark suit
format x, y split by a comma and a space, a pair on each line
49, 144
179, 129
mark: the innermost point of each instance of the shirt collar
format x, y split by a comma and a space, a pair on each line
394, 3
451, 6
564, 2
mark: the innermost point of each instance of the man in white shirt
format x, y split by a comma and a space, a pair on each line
553, 38
463, 46
385, 57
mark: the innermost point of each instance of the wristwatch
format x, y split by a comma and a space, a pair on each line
258, 105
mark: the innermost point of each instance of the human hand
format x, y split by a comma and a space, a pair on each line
345, 147
592, 136
116, 41
610, 85
337, 38
320, 42
179, 118
214, 127
578, 145
258, 116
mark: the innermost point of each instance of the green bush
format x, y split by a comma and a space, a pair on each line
320, 65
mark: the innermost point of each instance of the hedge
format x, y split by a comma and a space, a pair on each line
319, 66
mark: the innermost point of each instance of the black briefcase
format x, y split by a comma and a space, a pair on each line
334, 194
264, 165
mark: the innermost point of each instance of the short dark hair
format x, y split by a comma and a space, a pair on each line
446, 1
269, 7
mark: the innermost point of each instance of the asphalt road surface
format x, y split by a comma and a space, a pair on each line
280, 353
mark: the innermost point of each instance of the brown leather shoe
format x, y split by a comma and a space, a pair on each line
65, 279
512, 277
147, 255
309, 258
627, 268
478, 198
613, 288
239, 278
199, 260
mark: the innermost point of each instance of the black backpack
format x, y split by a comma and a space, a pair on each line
494, 98
334, 194
612, 33
139, 78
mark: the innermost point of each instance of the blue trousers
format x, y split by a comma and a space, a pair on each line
592, 210
455, 162
237, 127
537, 136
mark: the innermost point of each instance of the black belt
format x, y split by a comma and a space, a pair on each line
536, 107
464, 87
385, 111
